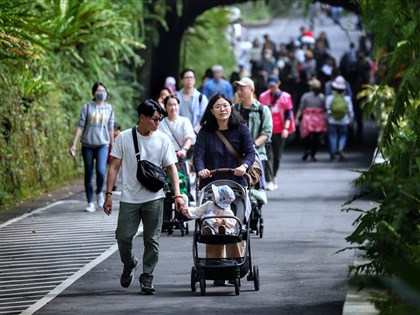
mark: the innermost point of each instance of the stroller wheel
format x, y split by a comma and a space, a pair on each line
182, 231
256, 273
193, 279
186, 229
203, 286
261, 230
237, 286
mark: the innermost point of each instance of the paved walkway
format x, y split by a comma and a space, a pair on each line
299, 268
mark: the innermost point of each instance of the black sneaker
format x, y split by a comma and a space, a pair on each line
147, 288
128, 274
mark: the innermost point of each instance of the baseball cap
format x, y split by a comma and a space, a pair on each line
272, 80
244, 82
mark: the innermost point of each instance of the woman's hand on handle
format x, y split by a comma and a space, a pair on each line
204, 173
240, 171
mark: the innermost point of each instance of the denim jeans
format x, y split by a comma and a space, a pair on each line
129, 218
100, 154
337, 136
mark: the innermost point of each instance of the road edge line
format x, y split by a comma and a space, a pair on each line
73, 278
38, 210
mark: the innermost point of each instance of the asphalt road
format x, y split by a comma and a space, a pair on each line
300, 271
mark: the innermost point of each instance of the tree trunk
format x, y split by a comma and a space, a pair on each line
165, 57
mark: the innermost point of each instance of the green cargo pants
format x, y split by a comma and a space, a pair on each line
129, 218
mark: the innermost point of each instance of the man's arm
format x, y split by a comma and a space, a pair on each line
173, 177
113, 169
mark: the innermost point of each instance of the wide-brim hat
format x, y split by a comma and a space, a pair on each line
339, 83
223, 195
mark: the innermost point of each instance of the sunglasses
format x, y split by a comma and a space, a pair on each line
157, 120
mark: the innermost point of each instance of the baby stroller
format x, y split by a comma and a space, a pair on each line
172, 219
227, 268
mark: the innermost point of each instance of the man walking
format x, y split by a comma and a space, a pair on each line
217, 84
137, 202
257, 117
280, 104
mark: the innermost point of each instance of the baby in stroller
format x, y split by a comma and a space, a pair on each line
219, 205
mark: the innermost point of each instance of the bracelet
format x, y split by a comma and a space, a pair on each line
178, 197
108, 193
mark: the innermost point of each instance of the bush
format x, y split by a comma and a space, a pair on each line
52, 52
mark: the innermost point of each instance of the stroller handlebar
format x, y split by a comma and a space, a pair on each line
226, 170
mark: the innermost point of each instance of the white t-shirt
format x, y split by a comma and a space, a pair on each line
181, 129
156, 148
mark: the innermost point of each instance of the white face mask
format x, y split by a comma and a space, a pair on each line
101, 96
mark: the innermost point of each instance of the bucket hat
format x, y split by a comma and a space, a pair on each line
223, 195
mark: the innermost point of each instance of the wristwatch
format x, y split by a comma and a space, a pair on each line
246, 166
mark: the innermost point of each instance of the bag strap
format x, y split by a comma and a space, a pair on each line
260, 109
229, 146
173, 135
276, 97
136, 145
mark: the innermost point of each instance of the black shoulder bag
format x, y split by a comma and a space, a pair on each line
148, 174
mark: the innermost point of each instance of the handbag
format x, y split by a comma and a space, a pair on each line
148, 174
255, 171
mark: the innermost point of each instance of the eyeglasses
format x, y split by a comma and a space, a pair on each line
219, 107
188, 78
157, 120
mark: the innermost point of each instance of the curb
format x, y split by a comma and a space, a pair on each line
27, 206
357, 300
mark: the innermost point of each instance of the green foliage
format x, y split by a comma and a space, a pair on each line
396, 25
254, 12
389, 233
209, 28
377, 100
51, 52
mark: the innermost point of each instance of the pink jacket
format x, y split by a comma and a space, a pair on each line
278, 109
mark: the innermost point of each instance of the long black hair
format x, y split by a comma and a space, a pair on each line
209, 122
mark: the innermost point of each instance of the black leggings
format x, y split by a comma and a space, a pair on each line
311, 143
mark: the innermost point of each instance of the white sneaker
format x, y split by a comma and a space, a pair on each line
101, 199
90, 207
270, 186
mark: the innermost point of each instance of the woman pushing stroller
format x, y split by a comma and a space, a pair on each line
211, 153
